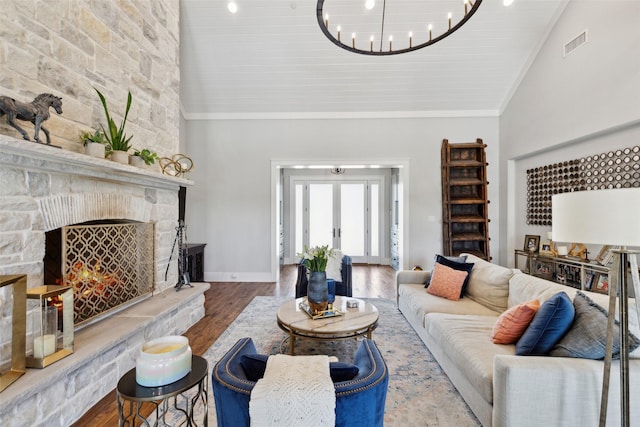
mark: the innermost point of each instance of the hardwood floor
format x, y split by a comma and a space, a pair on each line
224, 301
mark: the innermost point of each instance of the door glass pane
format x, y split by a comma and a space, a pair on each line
374, 227
352, 219
299, 221
320, 215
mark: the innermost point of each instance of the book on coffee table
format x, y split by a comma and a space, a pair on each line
304, 306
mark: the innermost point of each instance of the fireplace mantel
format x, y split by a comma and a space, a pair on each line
38, 157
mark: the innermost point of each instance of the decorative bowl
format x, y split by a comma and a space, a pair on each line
163, 361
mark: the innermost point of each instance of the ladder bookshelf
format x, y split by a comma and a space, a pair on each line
465, 220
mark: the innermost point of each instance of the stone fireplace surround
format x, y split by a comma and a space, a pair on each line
43, 188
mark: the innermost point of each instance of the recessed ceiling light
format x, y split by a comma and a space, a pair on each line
369, 4
232, 6
507, 2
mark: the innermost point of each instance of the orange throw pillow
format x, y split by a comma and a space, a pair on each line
446, 282
512, 323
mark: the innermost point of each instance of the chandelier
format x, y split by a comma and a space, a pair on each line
376, 44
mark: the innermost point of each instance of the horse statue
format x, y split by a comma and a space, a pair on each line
36, 112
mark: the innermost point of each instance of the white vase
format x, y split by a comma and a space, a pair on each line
137, 161
120, 157
94, 149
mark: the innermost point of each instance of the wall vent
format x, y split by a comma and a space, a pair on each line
575, 43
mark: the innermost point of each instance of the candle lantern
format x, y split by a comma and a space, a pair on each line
18, 329
53, 328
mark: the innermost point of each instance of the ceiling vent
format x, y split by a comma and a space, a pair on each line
575, 43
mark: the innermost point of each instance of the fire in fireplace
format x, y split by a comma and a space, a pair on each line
110, 265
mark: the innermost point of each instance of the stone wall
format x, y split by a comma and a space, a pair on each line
69, 47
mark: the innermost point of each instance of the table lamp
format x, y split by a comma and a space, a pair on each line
605, 217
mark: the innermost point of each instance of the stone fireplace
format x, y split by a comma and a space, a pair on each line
45, 189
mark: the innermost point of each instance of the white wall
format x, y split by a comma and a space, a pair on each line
229, 208
566, 108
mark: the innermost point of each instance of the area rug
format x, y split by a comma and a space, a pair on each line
419, 392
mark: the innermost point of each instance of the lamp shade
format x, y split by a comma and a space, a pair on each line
606, 217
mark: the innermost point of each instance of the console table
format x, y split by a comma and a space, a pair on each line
567, 271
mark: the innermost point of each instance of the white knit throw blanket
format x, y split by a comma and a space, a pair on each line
295, 391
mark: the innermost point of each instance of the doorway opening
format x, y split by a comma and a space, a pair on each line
355, 210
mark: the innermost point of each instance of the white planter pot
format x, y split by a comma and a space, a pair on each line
137, 161
95, 149
120, 157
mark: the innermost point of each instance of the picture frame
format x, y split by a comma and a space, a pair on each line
546, 248
602, 255
531, 243
588, 280
543, 269
601, 283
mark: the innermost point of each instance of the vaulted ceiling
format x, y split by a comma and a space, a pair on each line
270, 59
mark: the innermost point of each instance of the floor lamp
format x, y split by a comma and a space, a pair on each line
606, 217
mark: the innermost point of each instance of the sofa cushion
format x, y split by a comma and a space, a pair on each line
588, 335
457, 259
549, 325
523, 288
467, 342
254, 366
488, 283
447, 282
512, 323
415, 304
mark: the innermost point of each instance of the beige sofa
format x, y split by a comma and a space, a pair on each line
502, 389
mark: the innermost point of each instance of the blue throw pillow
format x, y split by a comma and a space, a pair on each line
551, 322
254, 366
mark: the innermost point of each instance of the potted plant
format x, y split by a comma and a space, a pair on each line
315, 259
116, 137
95, 143
143, 157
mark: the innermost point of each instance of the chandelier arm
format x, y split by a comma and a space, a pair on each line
319, 14
384, 10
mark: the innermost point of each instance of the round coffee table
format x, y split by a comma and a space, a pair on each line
354, 322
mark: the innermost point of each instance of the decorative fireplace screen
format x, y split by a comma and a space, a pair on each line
108, 265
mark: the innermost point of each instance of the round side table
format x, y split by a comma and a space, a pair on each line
130, 397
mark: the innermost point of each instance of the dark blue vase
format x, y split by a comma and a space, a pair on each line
317, 291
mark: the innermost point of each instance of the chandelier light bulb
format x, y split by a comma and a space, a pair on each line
338, 32
410, 38
326, 20
232, 7
449, 19
369, 4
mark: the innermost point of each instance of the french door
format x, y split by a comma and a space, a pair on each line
342, 214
